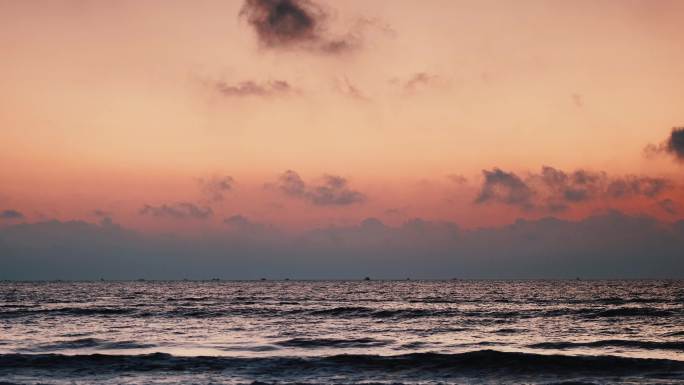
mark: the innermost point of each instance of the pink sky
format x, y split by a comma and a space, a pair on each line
112, 106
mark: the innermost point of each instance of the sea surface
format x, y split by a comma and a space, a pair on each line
342, 332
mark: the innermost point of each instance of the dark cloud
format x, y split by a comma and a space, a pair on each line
555, 190
582, 185
214, 188
299, 24
181, 210
607, 245
333, 191
251, 88
673, 145
101, 213
577, 186
505, 187
11, 214
669, 206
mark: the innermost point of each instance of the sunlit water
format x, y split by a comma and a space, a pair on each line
342, 332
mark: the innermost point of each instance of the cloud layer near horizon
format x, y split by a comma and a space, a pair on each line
629, 247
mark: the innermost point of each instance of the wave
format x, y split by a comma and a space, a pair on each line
333, 343
245, 309
665, 345
74, 311
93, 343
429, 364
360, 311
632, 312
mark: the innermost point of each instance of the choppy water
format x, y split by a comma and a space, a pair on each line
342, 332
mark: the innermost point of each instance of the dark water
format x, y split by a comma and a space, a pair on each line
342, 332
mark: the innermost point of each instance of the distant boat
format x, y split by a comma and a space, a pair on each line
367, 279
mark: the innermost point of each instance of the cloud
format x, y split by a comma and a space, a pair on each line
418, 80
244, 225
458, 178
673, 145
101, 213
415, 82
555, 190
606, 245
394, 211
333, 191
577, 186
505, 187
631, 185
669, 206
214, 188
300, 24
251, 88
11, 214
180, 210
345, 87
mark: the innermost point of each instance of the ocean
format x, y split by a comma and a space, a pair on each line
342, 332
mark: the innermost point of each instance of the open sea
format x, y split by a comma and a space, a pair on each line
342, 332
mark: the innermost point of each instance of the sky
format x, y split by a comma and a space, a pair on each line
257, 127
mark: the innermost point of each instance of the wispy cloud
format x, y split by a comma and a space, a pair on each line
215, 187
347, 88
673, 145
458, 178
251, 88
101, 213
180, 210
418, 80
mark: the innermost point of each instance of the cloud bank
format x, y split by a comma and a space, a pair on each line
610, 245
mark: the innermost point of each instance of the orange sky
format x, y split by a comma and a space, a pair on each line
114, 105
